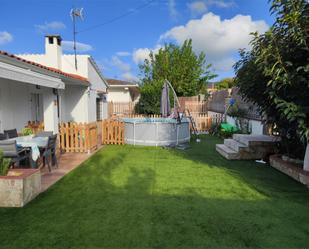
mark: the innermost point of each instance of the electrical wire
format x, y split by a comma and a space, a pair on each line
117, 17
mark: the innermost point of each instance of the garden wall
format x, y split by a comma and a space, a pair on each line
19, 187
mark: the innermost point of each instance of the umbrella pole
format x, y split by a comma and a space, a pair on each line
174, 93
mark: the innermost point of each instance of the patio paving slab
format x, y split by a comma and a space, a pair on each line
67, 162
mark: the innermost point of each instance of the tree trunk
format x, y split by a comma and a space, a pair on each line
306, 160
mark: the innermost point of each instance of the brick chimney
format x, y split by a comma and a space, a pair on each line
53, 51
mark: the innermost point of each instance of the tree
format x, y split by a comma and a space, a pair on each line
225, 83
275, 73
187, 72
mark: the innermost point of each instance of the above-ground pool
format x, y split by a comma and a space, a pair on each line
156, 131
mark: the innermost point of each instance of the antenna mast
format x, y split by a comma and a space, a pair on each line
75, 13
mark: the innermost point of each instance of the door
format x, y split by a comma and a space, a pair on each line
36, 107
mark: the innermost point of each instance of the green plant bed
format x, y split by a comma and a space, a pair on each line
147, 197
4, 164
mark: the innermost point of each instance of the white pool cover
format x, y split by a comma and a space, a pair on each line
156, 131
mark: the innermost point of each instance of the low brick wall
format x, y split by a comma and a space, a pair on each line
19, 187
290, 169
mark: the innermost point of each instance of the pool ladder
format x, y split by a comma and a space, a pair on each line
193, 124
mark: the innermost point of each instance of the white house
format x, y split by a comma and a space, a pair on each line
122, 91
48, 88
77, 103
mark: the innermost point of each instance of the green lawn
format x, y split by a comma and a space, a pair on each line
138, 197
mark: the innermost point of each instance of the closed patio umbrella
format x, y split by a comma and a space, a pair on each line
165, 108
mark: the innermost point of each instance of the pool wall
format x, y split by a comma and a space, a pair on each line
156, 133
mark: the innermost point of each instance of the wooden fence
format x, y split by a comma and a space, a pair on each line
86, 137
78, 137
116, 108
195, 106
204, 122
35, 126
112, 131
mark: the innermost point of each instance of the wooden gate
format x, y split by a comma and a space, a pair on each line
78, 137
112, 132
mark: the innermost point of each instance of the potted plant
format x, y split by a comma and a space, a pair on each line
27, 131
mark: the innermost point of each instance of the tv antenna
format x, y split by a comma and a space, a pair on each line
75, 14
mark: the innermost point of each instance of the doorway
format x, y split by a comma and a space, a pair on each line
36, 107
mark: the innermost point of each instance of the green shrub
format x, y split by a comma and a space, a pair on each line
225, 134
4, 164
26, 131
216, 130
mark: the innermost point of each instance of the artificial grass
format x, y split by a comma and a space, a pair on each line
139, 197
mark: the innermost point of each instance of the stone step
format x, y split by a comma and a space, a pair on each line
227, 152
235, 145
255, 140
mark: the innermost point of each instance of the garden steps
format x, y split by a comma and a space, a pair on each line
255, 140
235, 145
227, 152
247, 147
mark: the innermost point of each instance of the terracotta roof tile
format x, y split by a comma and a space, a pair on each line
119, 82
55, 70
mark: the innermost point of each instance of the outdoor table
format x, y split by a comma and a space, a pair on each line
34, 143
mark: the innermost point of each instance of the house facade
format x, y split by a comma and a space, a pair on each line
78, 102
48, 88
122, 91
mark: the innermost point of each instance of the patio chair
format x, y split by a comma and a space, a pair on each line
44, 134
49, 153
10, 150
10, 133
2, 136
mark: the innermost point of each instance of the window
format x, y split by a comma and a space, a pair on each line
59, 41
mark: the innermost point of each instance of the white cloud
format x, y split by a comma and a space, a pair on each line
121, 65
129, 76
123, 68
172, 9
50, 26
201, 6
80, 47
197, 7
141, 54
223, 64
123, 53
5, 37
219, 39
220, 3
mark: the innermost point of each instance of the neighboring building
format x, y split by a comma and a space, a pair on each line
122, 91
211, 87
76, 103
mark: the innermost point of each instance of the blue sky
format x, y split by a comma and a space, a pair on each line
218, 28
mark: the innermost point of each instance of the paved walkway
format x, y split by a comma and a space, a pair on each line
67, 162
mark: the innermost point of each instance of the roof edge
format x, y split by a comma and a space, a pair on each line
40, 67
